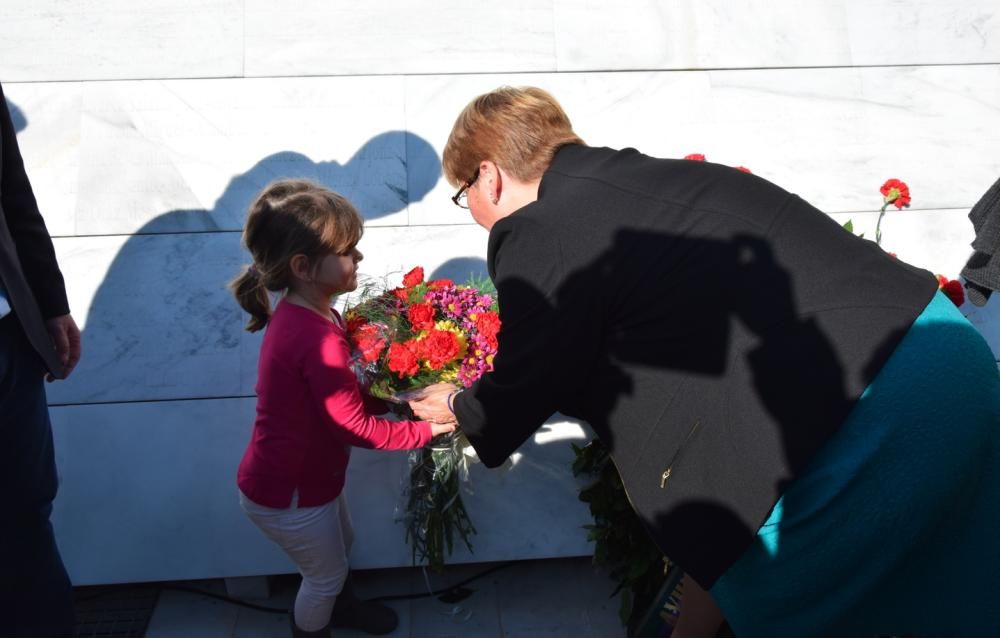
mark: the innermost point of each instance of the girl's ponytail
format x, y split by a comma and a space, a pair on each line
252, 297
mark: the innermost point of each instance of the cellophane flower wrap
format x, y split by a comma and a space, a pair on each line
408, 337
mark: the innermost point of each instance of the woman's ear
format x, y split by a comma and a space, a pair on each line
301, 267
490, 172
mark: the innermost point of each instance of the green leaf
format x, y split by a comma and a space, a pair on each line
621, 543
849, 226
625, 611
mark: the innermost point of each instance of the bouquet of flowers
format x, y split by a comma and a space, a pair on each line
406, 338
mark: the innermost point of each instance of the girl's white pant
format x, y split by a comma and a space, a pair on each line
318, 540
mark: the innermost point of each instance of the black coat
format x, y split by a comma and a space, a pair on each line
713, 329
982, 270
28, 269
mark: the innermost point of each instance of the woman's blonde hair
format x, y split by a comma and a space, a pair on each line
519, 129
290, 217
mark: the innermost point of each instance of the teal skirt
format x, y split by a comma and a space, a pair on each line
895, 527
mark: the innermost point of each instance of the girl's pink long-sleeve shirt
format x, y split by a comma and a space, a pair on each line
310, 412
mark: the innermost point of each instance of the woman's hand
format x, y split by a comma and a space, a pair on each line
700, 616
431, 404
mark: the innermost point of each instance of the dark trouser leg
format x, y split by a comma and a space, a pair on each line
36, 598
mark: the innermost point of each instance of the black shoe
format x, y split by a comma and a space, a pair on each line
302, 633
367, 616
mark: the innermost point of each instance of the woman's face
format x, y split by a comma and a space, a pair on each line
484, 210
479, 205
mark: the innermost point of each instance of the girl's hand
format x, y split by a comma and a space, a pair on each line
442, 428
431, 403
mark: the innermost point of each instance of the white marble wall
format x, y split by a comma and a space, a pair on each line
148, 493
147, 127
46, 40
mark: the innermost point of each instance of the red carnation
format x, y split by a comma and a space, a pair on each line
403, 359
413, 277
744, 169
440, 283
488, 325
439, 348
401, 293
896, 193
953, 290
354, 322
697, 157
368, 339
421, 316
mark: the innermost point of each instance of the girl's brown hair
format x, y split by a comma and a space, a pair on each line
290, 217
519, 129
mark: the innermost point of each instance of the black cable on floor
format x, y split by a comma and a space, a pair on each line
223, 598
453, 589
441, 592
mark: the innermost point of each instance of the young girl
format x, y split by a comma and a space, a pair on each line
310, 412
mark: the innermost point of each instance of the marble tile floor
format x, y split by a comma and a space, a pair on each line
553, 598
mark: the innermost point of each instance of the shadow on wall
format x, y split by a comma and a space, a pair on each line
163, 325
461, 270
17, 117
388, 172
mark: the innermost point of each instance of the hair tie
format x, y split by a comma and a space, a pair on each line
253, 272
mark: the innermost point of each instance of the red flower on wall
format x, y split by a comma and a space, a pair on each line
896, 193
952, 288
698, 157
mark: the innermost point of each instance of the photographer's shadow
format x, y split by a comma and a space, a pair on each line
383, 177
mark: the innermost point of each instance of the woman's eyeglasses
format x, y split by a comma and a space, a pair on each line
461, 198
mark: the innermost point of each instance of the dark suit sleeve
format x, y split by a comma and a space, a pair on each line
27, 227
503, 408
